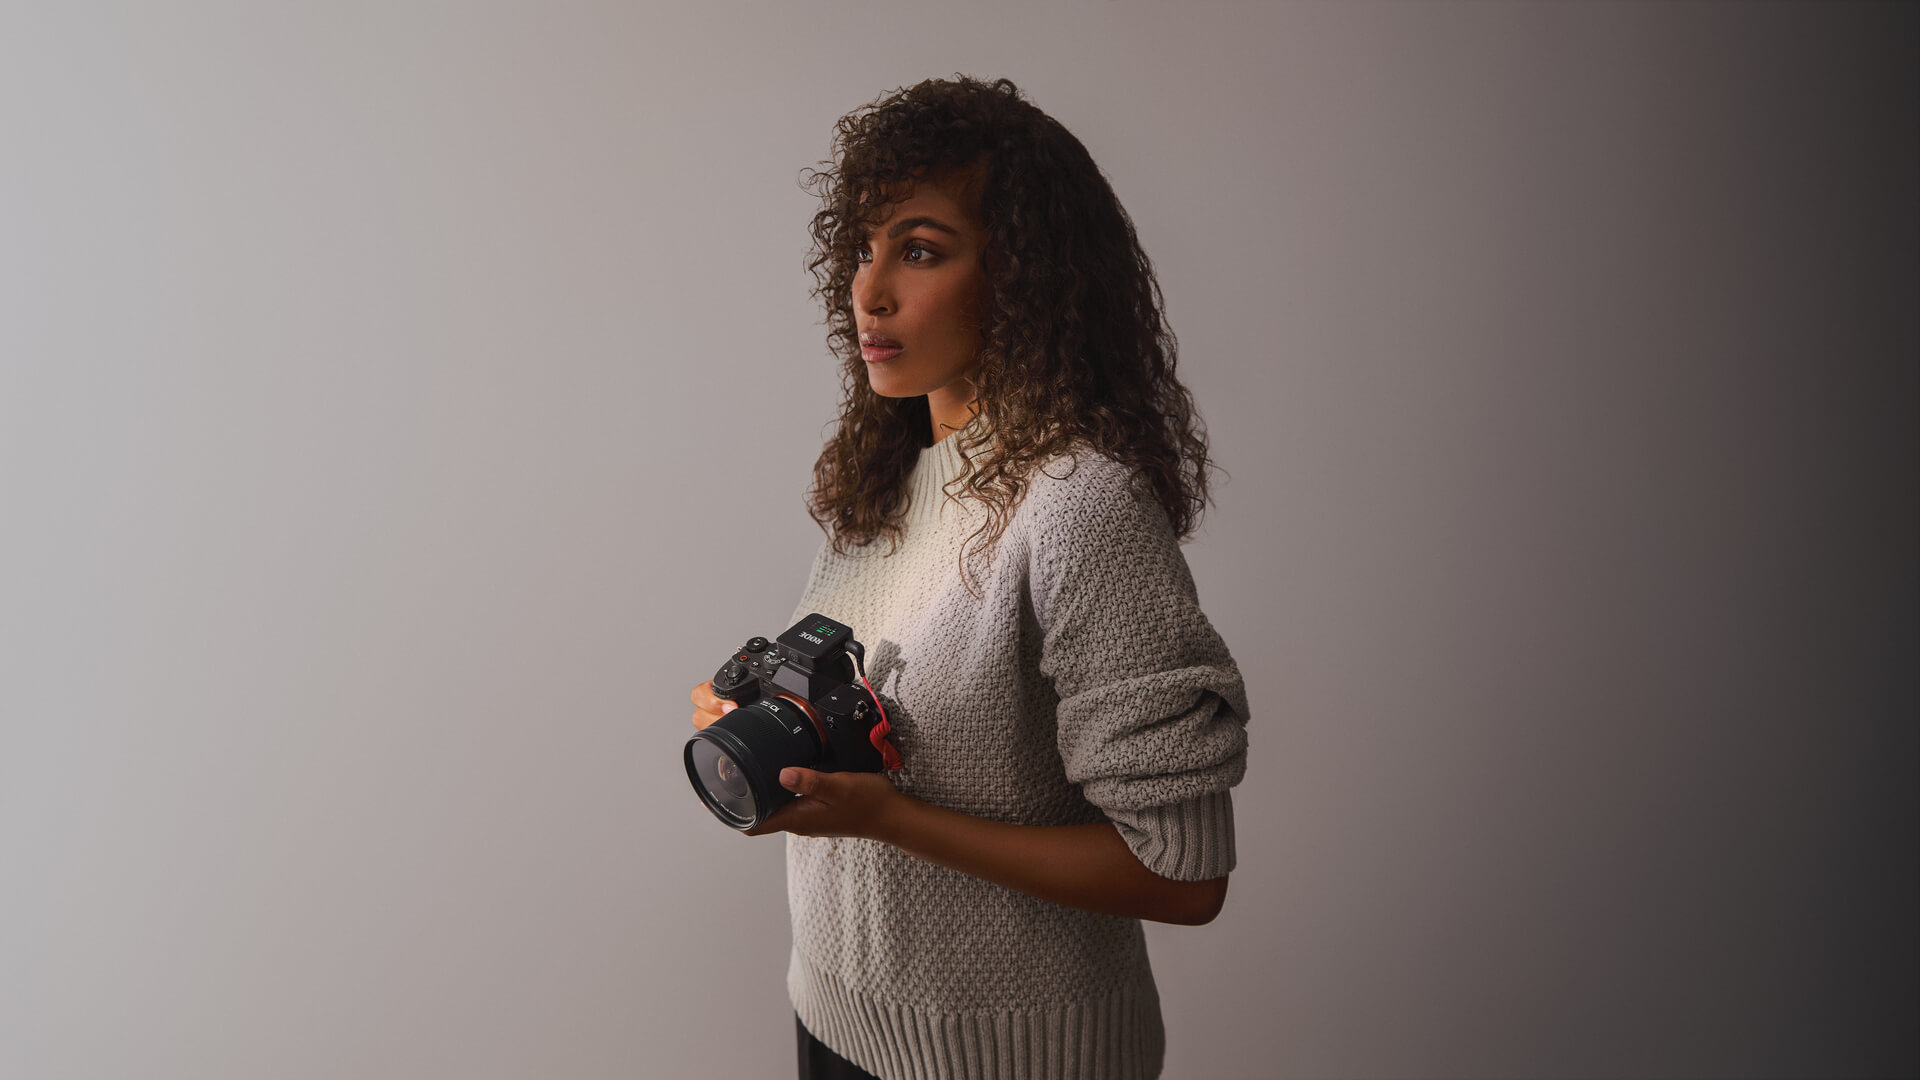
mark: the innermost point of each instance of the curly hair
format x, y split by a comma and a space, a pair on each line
1075, 350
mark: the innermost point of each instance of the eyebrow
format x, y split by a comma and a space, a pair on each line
898, 227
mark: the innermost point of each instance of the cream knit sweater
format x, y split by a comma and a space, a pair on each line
1083, 684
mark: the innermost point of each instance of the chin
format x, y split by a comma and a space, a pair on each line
889, 385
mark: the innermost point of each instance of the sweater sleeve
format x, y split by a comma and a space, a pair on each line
1151, 718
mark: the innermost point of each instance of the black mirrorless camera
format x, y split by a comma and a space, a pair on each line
798, 705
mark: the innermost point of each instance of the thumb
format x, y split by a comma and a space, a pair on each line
804, 781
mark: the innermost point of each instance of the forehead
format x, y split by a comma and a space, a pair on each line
952, 199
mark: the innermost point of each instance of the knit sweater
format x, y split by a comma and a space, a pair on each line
1077, 682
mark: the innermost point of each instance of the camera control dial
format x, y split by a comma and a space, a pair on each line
735, 682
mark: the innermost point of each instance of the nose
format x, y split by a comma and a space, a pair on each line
873, 290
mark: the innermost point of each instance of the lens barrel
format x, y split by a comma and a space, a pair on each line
734, 763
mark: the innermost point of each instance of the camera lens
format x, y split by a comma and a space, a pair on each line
723, 783
731, 777
735, 762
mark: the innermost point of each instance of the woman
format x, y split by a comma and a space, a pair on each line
1003, 497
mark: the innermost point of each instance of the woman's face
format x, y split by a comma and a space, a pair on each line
918, 293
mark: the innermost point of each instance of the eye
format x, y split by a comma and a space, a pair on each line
862, 254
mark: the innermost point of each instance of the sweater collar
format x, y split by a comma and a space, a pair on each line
926, 484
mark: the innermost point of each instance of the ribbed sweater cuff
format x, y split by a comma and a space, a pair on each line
1185, 841
1115, 1037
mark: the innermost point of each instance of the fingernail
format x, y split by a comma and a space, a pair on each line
789, 778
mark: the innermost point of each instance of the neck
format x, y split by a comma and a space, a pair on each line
951, 406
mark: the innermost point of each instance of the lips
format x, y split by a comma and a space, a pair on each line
875, 348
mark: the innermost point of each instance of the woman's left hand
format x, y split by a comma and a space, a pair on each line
1086, 866
834, 804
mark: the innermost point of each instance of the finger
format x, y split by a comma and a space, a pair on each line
802, 817
704, 696
708, 701
701, 718
776, 822
804, 781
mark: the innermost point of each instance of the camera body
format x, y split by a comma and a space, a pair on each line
798, 705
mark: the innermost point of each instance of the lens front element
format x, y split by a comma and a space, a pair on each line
722, 783
731, 777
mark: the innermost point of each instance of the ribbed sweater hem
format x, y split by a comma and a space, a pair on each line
1116, 1037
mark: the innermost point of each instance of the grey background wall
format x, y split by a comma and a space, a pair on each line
401, 404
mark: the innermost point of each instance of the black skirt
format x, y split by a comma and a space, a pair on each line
819, 1063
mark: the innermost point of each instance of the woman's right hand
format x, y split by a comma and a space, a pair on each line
708, 706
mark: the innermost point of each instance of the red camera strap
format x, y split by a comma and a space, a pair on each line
889, 756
